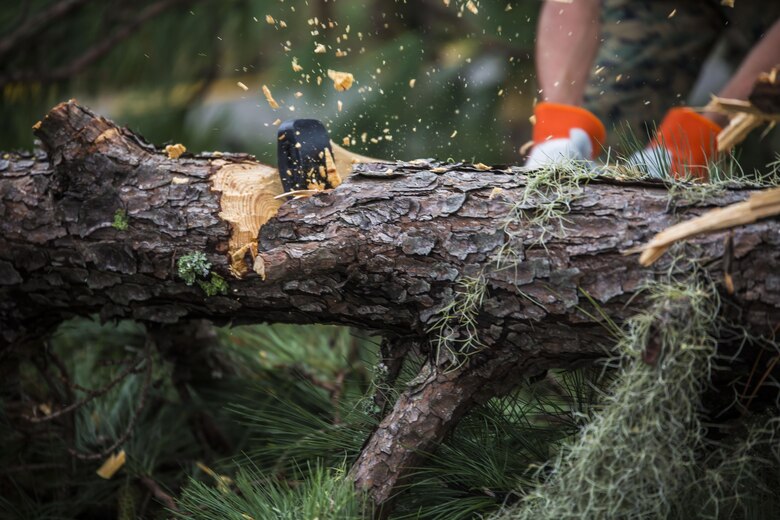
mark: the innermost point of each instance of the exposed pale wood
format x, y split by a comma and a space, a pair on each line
247, 199
759, 206
737, 130
251, 194
346, 159
763, 107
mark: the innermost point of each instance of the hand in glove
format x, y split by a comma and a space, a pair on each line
683, 144
564, 133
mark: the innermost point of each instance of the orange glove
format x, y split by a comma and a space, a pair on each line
564, 132
682, 146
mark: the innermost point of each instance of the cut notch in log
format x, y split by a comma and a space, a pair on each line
247, 199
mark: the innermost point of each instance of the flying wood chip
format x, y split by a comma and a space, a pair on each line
175, 151
341, 80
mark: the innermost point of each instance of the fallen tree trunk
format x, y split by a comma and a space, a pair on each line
98, 222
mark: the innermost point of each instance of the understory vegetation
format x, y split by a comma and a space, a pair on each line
272, 417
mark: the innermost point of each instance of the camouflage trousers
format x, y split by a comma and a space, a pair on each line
652, 52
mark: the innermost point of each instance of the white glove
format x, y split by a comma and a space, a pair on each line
655, 161
577, 147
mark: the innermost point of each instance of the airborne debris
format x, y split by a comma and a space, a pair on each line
471, 6
269, 19
320, 49
268, 97
295, 66
112, 464
341, 80
175, 151
242, 86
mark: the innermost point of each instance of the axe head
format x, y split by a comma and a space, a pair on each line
301, 152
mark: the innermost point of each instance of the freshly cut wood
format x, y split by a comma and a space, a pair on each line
248, 200
759, 205
762, 107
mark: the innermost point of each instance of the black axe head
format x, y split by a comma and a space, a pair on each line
301, 151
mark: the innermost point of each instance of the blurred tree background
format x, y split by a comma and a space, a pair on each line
169, 69
262, 421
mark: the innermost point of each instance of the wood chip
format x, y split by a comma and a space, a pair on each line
320, 49
259, 267
341, 80
482, 167
743, 118
112, 464
472, 7
269, 19
412, 82
175, 151
268, 97
242, 86
295, 66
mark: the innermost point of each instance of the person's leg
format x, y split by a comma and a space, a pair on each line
650, 56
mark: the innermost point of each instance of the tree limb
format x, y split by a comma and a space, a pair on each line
388, 250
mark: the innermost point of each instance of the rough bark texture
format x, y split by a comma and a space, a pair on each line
383, 251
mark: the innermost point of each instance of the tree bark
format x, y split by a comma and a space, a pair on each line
385, 251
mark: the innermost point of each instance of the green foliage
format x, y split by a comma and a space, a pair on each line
121, 222
195, 267
548, 196
192, 266
214, 285
456, 329
326, 494
491, 459
639, 458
